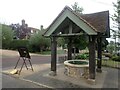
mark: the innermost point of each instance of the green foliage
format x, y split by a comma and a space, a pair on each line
104, 43
80, 42
111, 47
61, 42
76, 8
38, 43
48, 52
0, 36
108, 55
7, 36
17, 43
115, 17
111, 63
116, 58
82, 56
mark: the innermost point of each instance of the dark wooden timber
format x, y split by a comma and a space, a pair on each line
70, 49
99, 54
53, 54
67, 35
92, 57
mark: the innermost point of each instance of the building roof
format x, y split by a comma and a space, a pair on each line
34, 28
98, 22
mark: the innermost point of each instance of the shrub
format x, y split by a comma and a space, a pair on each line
61, 42
38, 43
82, 56
116, 58
107, 55
17, 43
7, 35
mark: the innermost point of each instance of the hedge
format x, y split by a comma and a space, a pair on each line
17, 43
116, 58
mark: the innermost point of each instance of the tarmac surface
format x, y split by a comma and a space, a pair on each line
40, 78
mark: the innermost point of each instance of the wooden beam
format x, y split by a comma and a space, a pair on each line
70, 28
99, 54
70, 49
92, 57
68, 35
53, 54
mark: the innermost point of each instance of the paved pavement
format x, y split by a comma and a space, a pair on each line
40, 78
11, 82
112, 79
103, 80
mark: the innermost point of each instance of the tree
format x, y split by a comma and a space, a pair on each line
104, 43
76, 8
110, 47
81, 42
38, 43
0, 35
116, 19
7, 36
116, 16
61, 42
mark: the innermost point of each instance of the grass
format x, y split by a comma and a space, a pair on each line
111, 63
45, 52
49, 52
108, 63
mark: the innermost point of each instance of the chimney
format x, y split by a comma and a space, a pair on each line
23, 22
41, 27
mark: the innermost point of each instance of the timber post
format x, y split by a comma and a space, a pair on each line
92, 57
70, 49
53, 56
99, 54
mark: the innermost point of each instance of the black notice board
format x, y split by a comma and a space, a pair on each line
23, 51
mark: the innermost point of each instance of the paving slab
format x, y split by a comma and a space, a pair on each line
111, 79
107, 79
25, 72
11, 82
63, 81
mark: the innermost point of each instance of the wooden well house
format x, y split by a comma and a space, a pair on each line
70, 24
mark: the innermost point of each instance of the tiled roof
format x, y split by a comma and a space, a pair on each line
99, 21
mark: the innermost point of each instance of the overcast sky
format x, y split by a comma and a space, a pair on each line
43, 12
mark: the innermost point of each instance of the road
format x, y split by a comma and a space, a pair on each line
11, 61
9, 58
